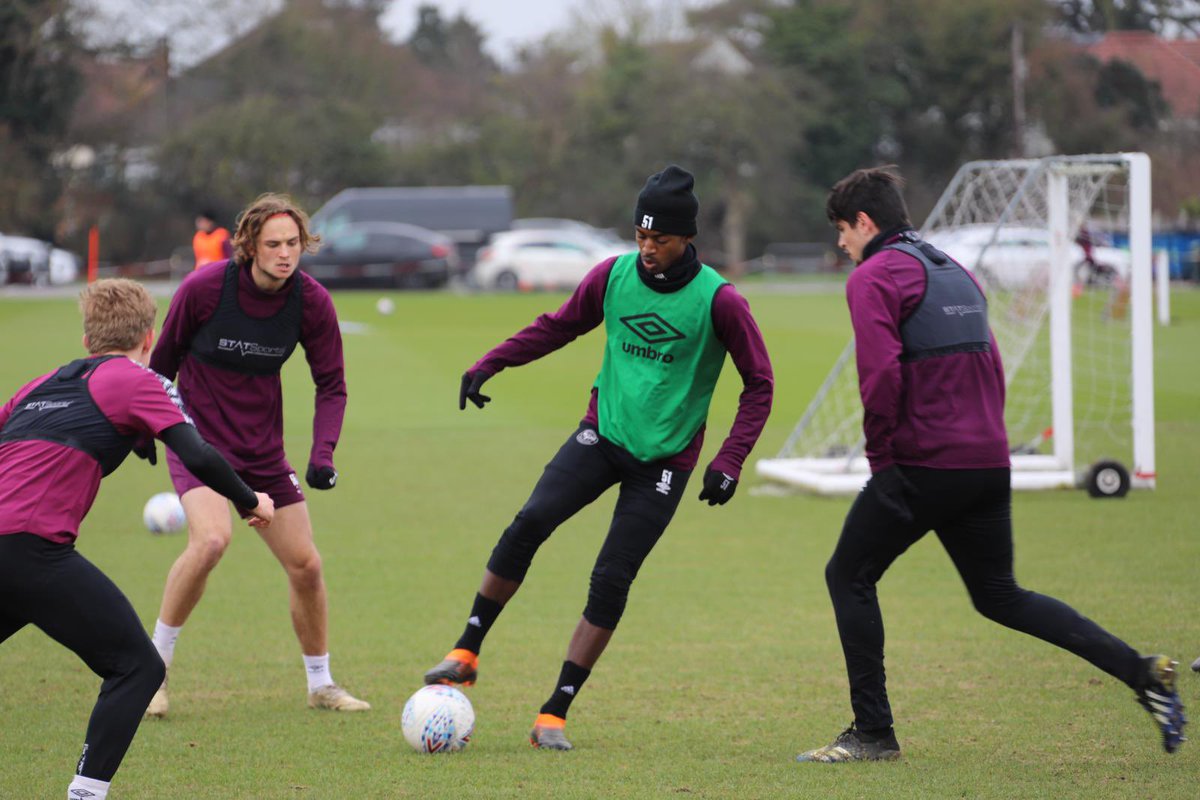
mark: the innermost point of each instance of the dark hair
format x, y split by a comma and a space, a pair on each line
875, 192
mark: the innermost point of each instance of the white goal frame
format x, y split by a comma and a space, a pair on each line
846, 470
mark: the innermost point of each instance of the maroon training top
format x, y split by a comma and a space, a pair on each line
242, 414
47, 488
733, 324
945, 412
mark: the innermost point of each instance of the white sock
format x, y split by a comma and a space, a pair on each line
317, 669
87, 789
164, 640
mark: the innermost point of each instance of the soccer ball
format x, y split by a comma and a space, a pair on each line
385, 305
438, 719
164, 513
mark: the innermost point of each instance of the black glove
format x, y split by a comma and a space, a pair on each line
718, 487
893, 490
321, 477
472, 382
145, 449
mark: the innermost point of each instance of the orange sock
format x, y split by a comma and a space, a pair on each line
465, 656
549, 721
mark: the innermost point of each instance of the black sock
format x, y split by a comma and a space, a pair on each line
1141, 673
570, 681
483, 614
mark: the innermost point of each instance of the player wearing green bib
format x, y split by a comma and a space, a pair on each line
669, 322
661, 361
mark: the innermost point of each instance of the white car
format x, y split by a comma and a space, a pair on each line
24, 260
543, 259
27, 260
64, 266
1014, 256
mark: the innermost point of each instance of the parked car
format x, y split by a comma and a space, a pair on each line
382, 254
543, 259
64, 266
466, 214
24, 259
1015, 255
551, 223
563, 223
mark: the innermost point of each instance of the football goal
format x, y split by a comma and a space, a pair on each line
1062, 247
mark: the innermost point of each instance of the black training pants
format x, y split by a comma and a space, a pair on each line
55, 588
971, 512
584, 467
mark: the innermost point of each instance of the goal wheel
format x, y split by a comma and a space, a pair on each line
1107, 479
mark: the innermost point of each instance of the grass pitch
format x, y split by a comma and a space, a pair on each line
727, 662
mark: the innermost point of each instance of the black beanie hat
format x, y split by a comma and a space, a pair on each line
666, 203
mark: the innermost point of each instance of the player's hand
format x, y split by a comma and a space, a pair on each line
472, 382
893, 491
145, 449
321, 477
262, 514
718, 487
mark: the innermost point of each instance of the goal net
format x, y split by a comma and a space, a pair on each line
1061, 246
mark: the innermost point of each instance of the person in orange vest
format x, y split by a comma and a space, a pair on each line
211, 242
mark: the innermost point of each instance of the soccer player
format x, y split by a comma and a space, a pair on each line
59, 435
229, 329
932, 389
669, 321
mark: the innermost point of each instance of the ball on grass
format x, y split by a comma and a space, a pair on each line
438, 719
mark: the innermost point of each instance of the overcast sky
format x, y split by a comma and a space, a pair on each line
197, 29
505, 24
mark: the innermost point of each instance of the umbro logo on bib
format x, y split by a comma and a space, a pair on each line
652, 329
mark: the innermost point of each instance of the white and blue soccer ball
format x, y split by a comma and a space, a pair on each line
438, 719
164, 513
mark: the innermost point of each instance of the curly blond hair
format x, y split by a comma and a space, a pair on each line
250, 224
117, 313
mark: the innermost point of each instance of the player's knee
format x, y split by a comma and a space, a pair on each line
835, 578
208, 549
608, 594
602, 616
996, 595
509, 562
988, 608
305, 574
139, 666
533, 523
153, 669
999, 604
519, 543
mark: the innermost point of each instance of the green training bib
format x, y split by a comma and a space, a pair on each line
661, 361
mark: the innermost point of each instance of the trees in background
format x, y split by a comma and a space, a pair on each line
1101, 16
767, 101
39, 84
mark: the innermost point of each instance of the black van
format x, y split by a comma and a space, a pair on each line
467, 214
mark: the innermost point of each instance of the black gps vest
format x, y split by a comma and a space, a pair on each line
952, 314
232, 340
61, 410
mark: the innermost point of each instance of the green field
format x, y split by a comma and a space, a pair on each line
727, 662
